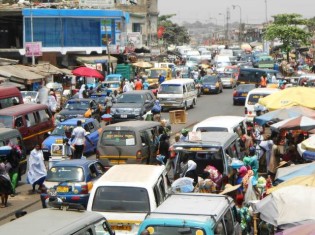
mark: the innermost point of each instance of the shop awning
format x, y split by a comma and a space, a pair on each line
95, 59
20, 74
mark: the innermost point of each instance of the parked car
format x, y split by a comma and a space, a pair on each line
132, 105
79, 108
72, 180
240, 93
112, 82
228, 79
30, 97
91, 125
211, 84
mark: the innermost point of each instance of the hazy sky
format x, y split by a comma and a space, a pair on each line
253, 11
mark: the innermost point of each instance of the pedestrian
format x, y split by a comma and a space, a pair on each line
52, 102
14, 161
108, 102
85, 92
114, 96
243, 215
263, 80
43, 93
80, 93
251, 191
145, 85
156, 111
171, 161
132, 84
253, 163
37, 172
5, 185
126, 86
78, 137
184, 135
161, 78
138, 85
90, 91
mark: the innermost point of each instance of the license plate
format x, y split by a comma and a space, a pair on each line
114, 162
123, 116
45, 150
244, 94
206, 89
61, 189
121, 227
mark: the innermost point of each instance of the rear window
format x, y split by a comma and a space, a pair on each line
65, 173
121, 199
212, 129
6, 121
8, 102
118, 138
253, 98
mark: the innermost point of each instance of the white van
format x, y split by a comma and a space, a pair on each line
126, 193
253, 98
177, 93
231, 124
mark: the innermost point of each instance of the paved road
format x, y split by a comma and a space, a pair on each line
207, 105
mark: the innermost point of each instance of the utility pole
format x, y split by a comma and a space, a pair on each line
266, 11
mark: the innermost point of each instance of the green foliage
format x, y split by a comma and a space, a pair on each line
285, 28
173, 34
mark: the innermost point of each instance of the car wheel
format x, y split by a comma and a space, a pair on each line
193, 103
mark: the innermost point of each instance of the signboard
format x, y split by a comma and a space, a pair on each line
134, 39
33, 49
103, 4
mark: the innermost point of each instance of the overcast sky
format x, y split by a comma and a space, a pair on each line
253, 11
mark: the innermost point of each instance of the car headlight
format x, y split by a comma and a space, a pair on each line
137, 111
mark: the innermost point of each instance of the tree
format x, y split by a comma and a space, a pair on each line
287, 28
173, 33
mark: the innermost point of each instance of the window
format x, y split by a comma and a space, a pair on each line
228, 219
43, 115
30, 119
19, 122
118, 138
136, 27
121, 199
90, 127
184, 88
157, 195
219, 229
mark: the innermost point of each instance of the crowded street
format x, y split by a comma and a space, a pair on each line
156, 117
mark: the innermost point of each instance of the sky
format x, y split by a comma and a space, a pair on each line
253, 11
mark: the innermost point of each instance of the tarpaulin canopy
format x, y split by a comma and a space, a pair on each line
289, 172
296, 123
293, 96
285, 113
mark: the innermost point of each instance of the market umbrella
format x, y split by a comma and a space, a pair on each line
288, 206
285, 113
87, 72
308, 180
143, 64
306, 149
293, 96
304, 229
297, 123
289, 172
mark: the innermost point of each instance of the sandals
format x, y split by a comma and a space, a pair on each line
2, 206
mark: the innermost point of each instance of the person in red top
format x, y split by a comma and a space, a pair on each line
263, 80
138, 84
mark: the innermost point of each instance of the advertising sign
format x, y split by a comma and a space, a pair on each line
33, 49
134, 39
102, 4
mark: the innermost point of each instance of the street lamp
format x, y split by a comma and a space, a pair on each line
222, 14
234, 6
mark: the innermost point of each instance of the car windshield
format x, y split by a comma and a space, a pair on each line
60, 130
253, 98
171, 89
212, 129
29, 93
65, 173
231, 70
113, 85
210, 79
77, 105
113, 79
154, 73
121, 199
225, 75
118, 138
174, 230
130, 98
6, 121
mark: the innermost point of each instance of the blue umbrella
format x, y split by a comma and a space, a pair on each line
282, 114
290, 172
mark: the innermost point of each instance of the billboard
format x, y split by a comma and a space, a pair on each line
134, 39
33, 49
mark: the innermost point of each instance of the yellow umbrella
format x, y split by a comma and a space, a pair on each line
293, 96
143, 64
308, 180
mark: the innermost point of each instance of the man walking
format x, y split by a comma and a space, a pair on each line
78, 139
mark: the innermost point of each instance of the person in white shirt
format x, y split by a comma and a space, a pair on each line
78, 140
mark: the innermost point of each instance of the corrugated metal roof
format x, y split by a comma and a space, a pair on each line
19, 71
